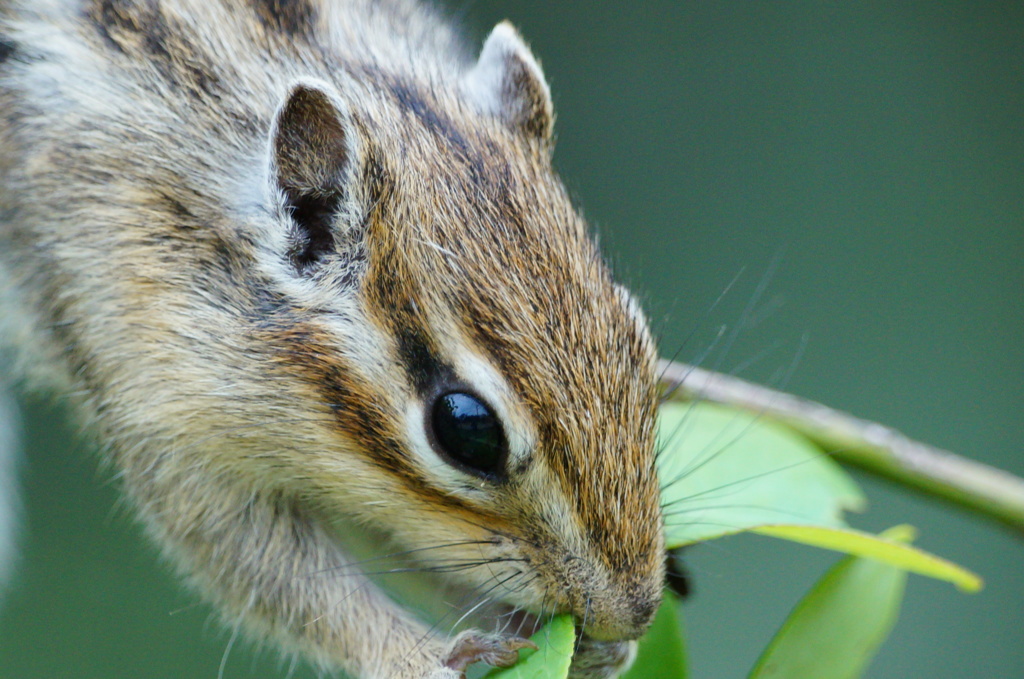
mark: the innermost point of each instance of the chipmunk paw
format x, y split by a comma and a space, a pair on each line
493, 649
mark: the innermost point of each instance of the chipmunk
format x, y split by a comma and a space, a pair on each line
307, 269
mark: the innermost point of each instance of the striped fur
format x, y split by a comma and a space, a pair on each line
262, 386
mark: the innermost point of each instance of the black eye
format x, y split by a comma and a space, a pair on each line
469, 434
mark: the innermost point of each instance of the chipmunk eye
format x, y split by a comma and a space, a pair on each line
469, 434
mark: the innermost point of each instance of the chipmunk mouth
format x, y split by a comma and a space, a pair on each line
624, 623
614, 614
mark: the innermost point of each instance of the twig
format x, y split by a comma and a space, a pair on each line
873, 447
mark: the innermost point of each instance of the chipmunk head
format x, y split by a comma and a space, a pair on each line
487, 387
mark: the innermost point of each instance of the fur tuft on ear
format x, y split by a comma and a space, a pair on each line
312, 151
507, 82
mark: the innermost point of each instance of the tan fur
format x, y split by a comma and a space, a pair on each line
262, 393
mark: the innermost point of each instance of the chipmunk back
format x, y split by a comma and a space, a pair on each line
306, 268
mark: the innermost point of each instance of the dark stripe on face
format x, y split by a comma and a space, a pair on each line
416, 349
391, 287
306, 355
425, 370
370, 422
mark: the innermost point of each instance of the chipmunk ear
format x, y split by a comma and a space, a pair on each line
312, 149
507, 82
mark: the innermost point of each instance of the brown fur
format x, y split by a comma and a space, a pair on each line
253, 377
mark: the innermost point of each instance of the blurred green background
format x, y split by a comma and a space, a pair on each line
871, 155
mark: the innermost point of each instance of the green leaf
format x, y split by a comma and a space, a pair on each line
834, 632
662, 651
724, 471
881, 548
555, 643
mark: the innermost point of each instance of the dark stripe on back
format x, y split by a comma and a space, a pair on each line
110, 14
438, 123
7, 50
130, 27
143, 32
288, 17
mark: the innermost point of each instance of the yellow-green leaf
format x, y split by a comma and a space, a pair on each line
880, 548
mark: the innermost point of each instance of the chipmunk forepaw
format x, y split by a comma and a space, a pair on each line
493, 649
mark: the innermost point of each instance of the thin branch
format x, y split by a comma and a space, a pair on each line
872, 447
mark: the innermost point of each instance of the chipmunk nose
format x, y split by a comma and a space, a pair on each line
620, 615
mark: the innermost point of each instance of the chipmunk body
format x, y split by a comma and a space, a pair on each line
306, 267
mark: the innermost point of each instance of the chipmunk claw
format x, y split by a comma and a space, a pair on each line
500, 651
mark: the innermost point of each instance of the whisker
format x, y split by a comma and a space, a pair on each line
292, 666
227, 650
583, 626
484, 599
705, 508
443, 568
744, 320
702, 459
761, 355
707, 314
395, 555
714, 524
489, 529
696, 362
747, 479
339, 602
543, 604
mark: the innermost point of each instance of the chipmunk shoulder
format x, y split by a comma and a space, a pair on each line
306, 266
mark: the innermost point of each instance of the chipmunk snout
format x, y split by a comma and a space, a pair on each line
619, 613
